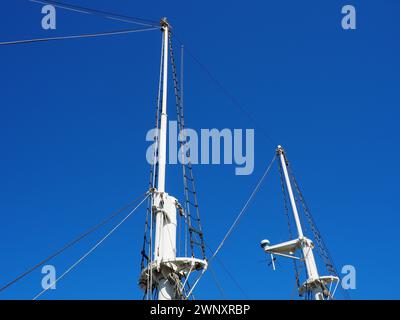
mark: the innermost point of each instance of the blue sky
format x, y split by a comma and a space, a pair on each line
74, 115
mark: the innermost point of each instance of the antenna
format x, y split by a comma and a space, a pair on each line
315, 285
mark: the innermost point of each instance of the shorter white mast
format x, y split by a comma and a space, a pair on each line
315, 284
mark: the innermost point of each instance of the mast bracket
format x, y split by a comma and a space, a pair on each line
164, 23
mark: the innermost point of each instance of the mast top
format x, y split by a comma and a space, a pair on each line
164, 23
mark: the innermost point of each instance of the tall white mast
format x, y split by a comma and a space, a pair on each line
162, 148
315, 284
165, 271
164, 205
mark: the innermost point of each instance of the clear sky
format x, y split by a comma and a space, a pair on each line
74, 115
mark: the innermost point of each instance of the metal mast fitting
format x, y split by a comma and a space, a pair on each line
316, 285
165, 271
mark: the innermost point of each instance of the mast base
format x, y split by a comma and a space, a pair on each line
320, 284
172, 270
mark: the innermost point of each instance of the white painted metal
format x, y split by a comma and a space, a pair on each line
305, 244
162, 148
290, 191
166, 270
165, 210
182, 266
165, 290
314, 282
165, 239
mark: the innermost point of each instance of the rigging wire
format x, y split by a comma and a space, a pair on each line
289, 225
322, 251
193, 225
127, 19
153, 178
87, 35
92, 249
234, 224
72, 243
245, 207
104, 14
228, 273
228, 93
217, 283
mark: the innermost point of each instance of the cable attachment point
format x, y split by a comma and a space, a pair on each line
181, 211
164, 23
279, 150
152, 190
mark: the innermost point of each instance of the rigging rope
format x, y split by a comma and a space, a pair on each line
245, 207
230, 275
193, 225
92, 249
228, 94
104, 14
88, 35
148, 232
217, 283
234, 224
72, 243
286, 207
323, 251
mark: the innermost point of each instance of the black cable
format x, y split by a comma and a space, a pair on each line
321, 246
88, 35
227, 93
104, 14
239, 216
73, 242
286, 208
217, 284
228, 273
193, 222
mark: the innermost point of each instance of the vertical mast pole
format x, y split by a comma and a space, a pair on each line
290, 191
162, 148
166, 270
165, 234
306, 244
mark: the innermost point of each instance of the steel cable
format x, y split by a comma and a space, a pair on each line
236, 221
70, 244
92, 249
104, 14
80, 36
